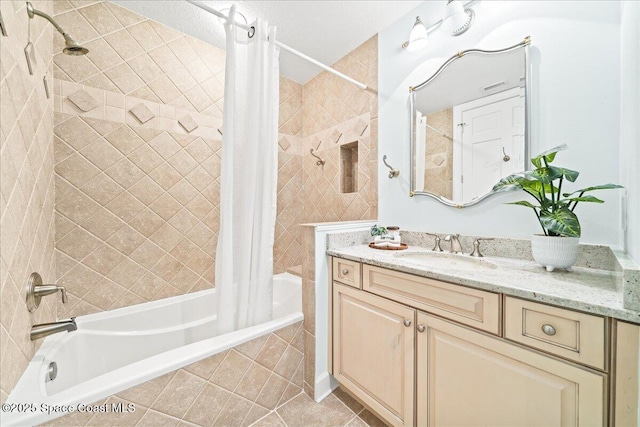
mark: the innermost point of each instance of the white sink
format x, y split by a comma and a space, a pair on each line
447, 261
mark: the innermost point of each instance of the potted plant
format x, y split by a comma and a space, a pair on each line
555, 210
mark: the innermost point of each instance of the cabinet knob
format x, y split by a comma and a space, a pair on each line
421, 327
345, 271
407, 322
548, 329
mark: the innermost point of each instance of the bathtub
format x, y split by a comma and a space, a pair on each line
118, 349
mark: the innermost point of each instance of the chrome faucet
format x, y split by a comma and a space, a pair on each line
456, 247
45, 329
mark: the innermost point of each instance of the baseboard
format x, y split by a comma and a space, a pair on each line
325, 384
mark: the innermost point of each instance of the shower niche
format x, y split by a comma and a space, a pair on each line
349, 167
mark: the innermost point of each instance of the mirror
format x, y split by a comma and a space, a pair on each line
469, 125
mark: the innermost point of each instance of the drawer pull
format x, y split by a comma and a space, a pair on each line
548, 329
407, 322
345, 271
421, 327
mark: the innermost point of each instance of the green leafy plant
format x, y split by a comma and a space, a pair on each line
555, 209
378, 231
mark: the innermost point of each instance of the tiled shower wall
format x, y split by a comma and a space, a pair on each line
26, 185
336, 113
137, 152
438, 171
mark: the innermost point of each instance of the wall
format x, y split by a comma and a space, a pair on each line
576, 85
629, 124
26, 186
137, 152
336, 113
287, 246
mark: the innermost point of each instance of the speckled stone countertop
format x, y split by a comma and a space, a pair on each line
592, 290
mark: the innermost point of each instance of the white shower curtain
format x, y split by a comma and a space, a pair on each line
244, 257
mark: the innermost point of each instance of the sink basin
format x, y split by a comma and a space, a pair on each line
445, 261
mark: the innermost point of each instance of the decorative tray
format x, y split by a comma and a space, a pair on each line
402, 247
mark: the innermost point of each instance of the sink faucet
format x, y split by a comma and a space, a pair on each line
45, 329
456, 247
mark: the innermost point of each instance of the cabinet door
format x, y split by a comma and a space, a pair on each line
467, 378
373, 352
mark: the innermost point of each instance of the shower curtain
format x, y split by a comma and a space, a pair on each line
244, 257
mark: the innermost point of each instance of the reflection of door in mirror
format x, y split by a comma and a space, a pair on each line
491, 135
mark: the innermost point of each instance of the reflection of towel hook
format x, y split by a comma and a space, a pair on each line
393, 172
506, 157
320, 161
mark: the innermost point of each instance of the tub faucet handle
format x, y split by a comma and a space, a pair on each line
35, 290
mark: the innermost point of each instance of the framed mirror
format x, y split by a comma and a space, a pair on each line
470, 124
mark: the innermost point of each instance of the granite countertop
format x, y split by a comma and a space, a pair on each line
592, 290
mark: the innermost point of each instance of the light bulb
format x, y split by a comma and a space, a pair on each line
418, 37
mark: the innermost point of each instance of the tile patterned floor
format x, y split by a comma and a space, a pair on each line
337, 410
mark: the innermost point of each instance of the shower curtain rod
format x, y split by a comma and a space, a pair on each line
283, 46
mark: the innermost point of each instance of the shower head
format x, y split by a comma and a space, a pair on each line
72, 48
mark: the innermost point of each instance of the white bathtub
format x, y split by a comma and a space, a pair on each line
118, 349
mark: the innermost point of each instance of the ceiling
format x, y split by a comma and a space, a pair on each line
324, 30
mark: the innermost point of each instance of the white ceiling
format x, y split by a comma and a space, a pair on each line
323, 30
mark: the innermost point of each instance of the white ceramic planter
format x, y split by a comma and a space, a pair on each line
555, 252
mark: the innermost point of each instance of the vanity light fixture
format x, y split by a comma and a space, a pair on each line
418, 37
457, 19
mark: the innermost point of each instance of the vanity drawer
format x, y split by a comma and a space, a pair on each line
346, 272
570, 334
473, 307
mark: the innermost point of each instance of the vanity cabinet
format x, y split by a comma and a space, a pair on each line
373, 352
467, 378
423, 352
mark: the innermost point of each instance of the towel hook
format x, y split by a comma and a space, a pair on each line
393, 172
506, 157
320, 161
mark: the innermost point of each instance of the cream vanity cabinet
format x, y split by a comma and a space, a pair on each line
424, 352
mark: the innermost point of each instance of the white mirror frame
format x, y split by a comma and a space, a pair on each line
527, 119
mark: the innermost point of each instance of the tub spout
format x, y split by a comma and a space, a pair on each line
45, 329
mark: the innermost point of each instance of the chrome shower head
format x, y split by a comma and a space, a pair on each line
72, 48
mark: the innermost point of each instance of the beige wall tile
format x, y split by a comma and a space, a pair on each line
231, 370
177, 396
124, 44
271, 352
208, 405
100, 18
145, 36
124, 78
125, 16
